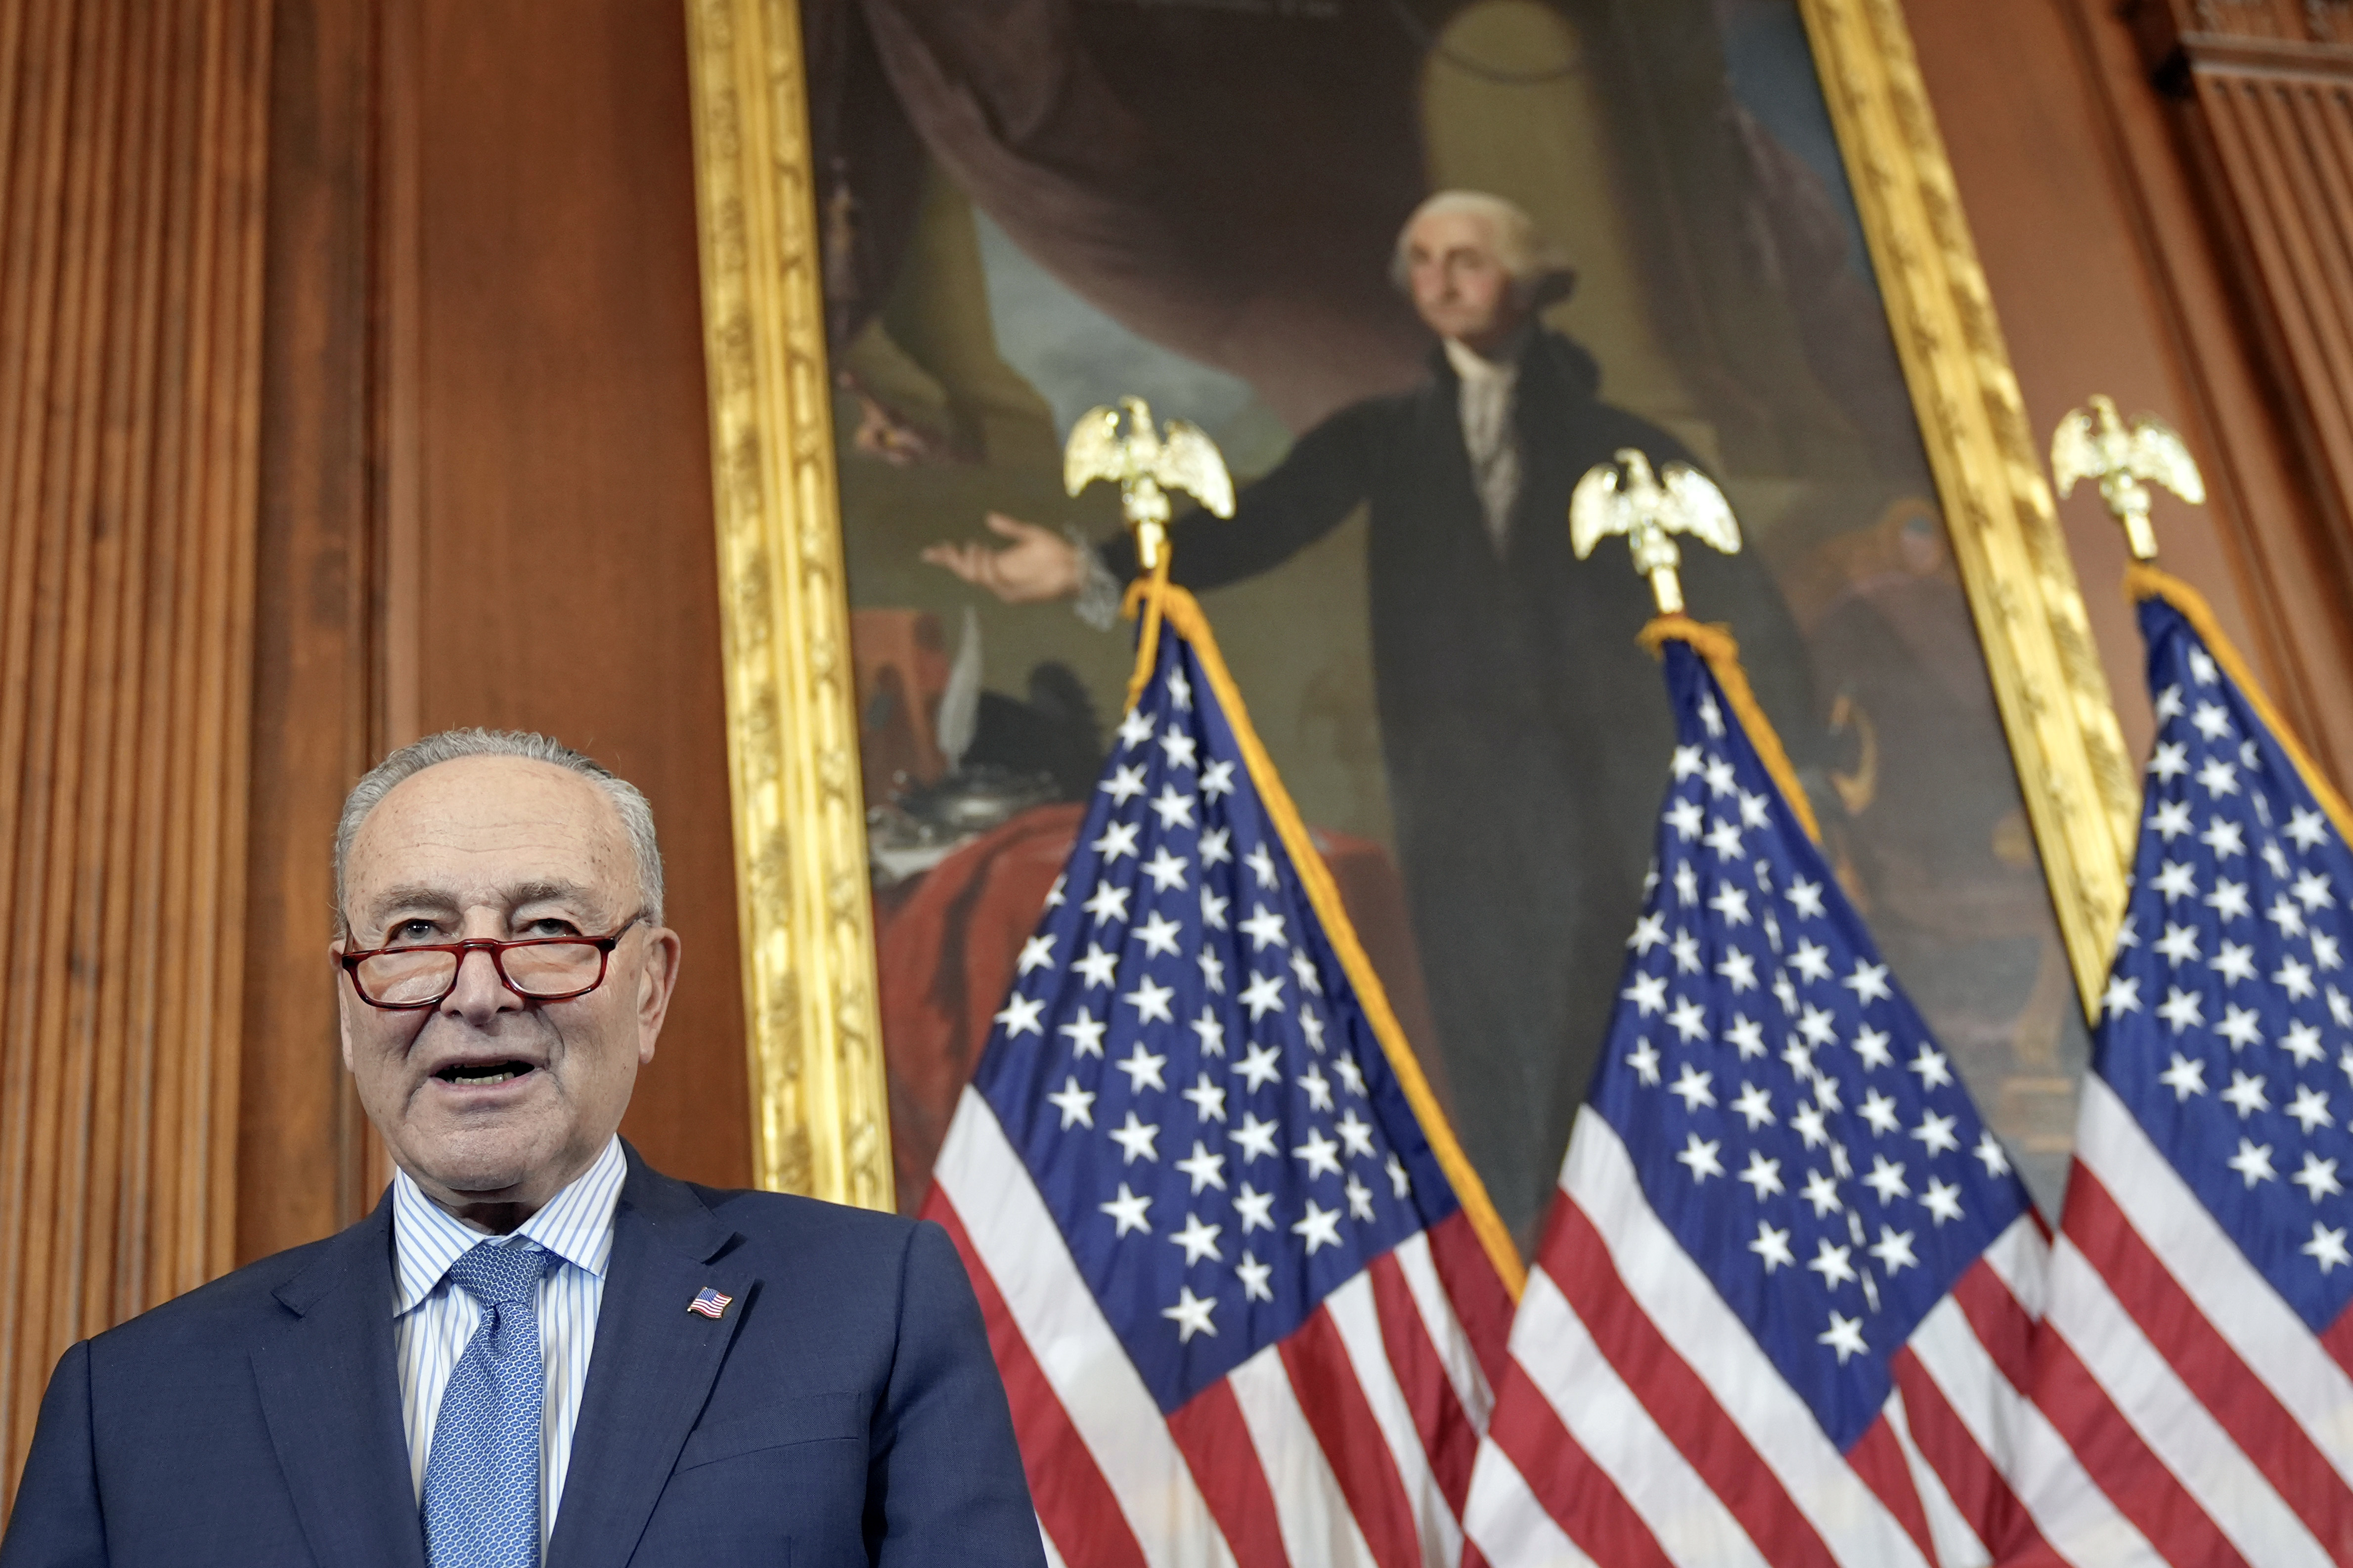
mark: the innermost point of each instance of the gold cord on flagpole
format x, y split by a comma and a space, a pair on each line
2143, 581
1145, 595
1183, 611
1623, 496
1715, 644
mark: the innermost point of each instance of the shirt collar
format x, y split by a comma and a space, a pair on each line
1474, 368
577, 1224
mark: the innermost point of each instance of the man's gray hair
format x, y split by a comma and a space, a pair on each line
637, 815
1540, 273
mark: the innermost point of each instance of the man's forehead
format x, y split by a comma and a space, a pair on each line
1443, 231
509, 820
453, 894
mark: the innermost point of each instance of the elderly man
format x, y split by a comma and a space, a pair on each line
1524, 734
537, 1343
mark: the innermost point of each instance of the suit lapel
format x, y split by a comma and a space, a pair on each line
331, 1398
652, 1368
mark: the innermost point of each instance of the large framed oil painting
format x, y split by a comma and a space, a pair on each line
936, 236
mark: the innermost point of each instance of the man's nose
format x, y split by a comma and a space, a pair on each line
478, 991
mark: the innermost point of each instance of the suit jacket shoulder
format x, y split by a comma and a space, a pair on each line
232, 1303
258, 1415
787, 1219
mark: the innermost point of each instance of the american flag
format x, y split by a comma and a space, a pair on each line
1786, 1289
2194, 1361
710, 1303
1245, 1295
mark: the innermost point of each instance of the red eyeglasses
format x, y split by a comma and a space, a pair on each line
536, 968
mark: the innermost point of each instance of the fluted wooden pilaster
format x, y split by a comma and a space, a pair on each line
2265, 89
132, 142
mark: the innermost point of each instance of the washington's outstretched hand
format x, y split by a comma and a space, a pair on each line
1038, 565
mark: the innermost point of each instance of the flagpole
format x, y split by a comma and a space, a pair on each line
1145, 465
2095, 443
1625, 496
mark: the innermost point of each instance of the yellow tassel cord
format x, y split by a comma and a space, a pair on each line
2143, 581
1715, 644
1150, 592
1160, 598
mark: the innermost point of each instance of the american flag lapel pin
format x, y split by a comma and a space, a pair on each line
710, 1303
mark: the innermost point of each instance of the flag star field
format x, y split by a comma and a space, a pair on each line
1790, 1118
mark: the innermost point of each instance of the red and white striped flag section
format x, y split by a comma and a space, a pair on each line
1787, 1286
2193, 1368
1246, 1294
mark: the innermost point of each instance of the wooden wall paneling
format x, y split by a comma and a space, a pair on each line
2280, 521
2258, 101
2263, 129
131, 157
303, 1158
2110, 275
397, 356
484, 501
564, 569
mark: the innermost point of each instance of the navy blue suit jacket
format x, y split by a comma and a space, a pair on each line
845, 1410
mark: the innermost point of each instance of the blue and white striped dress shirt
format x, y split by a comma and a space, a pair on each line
434, 1319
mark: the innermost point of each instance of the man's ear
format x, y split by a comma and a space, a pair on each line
657, 983
342, 1010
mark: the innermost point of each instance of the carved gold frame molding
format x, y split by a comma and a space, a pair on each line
2080, 791
819, 1111
819, 1105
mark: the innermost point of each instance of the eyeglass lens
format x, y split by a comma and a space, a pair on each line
548, 969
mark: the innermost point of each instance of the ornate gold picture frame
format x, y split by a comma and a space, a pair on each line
816, 1057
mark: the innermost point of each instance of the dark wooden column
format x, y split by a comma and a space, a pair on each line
132, 154
2263, 91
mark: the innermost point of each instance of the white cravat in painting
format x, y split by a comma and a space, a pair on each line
1488, 437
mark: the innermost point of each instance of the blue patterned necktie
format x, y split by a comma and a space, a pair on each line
481, 1479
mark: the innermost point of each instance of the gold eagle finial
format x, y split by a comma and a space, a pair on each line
1622, 495
2095, 443
1147, 464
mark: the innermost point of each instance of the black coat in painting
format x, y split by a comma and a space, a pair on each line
1527, 734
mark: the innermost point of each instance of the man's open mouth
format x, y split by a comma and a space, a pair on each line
482, 1073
